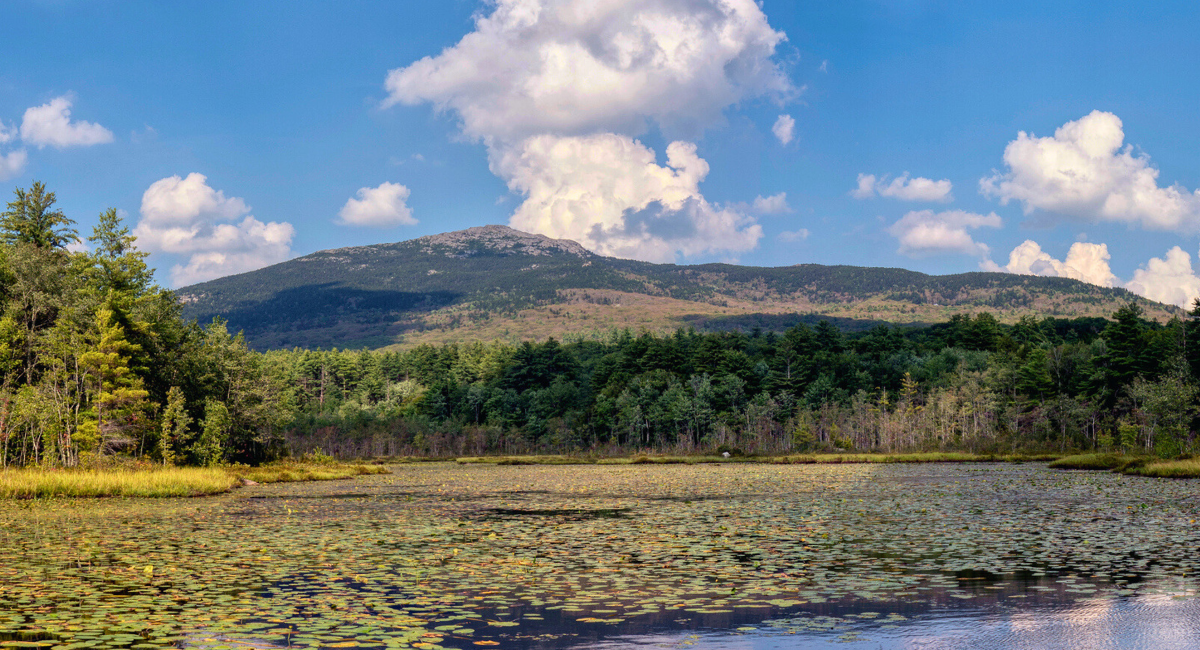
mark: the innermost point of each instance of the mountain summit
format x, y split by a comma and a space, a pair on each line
497, 240
495, 282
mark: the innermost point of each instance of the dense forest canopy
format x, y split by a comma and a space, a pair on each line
97, 362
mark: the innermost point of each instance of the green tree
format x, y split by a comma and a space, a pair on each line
119, 400
209, 449
30, 219
120, 266
175, 423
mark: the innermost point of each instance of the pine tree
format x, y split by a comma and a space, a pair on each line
30, 220
175, 423
119, 401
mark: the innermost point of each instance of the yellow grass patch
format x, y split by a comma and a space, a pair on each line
164, 482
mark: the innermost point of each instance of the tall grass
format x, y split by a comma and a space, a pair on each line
1132, 465
1096, 461
161, 482
285, 472
1188, 468
164, 481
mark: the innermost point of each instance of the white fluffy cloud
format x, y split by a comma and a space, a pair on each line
775, 204
791, 236
903, 188
679, 63
1085, 173
1169, 280
568, 147
186, 217
784, 129
1086, 262
50, 124
925, 232
607, 192
7, 133
12, 163
381, 207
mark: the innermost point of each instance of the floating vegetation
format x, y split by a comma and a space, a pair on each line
466, 556
791, 459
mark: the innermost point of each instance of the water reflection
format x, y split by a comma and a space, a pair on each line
1140, 623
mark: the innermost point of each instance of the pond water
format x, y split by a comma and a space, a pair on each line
530, 557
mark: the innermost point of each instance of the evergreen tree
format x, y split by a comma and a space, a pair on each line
175, 422
29, 219
119, 400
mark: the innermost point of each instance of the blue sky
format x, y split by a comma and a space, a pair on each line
234, 135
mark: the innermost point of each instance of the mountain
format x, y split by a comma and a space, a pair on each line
494, 282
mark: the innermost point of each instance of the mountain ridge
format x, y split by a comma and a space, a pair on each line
497, 282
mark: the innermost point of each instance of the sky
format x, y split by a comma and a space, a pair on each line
1046, 138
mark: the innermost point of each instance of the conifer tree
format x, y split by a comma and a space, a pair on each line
175, 423
29, 219
119, 401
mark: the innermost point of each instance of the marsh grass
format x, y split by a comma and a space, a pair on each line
794, 459
1101, 461
123, 482
287, 472
1187, 468
1132, 465
163, 481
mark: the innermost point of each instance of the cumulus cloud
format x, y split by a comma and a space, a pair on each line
784, 128
607, 192
7, 133
1085, 173
568, 147
381, 207
1169, 280
188, 218
50, 124
925, 232
1085, 262
775, 204
790, 236
679, 63
903, 188
12, 163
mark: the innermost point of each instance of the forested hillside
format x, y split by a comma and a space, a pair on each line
972, 383
98, 364
498, 283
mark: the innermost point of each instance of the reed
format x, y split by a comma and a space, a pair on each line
160, 482
164, 481
1187, 468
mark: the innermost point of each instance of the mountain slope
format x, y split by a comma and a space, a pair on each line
496, 282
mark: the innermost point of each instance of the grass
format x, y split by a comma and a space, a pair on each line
1186, 468
1098, 461
793, 459
287, 472
163, 481
1132, 465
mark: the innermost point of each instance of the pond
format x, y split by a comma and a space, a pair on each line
704, 556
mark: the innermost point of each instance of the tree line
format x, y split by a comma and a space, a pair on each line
970, 384
96, 363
